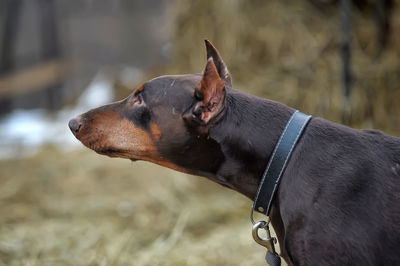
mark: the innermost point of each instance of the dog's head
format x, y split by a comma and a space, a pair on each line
165, 120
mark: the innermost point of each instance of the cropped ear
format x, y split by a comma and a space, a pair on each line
209, 96
219, 64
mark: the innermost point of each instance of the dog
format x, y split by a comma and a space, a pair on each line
338, 202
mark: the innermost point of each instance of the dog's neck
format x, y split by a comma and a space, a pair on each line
248, 134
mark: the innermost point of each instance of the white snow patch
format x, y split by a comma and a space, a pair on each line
23, 132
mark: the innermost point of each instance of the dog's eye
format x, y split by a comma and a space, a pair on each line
198, 96
138, 99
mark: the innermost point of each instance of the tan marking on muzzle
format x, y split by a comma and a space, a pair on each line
109, 134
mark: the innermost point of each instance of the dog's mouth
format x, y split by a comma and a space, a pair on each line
116, 153
100, 148
109, 152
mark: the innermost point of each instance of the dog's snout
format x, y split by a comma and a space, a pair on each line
75, 124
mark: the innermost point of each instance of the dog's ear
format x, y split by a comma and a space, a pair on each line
209, 96
219, 63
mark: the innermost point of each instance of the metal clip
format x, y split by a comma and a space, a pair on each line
268, 242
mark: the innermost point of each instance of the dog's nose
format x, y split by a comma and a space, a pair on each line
74, 124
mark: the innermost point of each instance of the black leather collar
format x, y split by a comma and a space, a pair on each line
277, 163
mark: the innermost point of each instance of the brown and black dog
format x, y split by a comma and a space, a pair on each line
339, 199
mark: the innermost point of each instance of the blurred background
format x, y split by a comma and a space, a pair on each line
61, 204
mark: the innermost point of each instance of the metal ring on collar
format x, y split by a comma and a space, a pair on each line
268, 241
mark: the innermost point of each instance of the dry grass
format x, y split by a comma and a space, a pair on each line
84, 209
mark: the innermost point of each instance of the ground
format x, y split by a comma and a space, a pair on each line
80, 208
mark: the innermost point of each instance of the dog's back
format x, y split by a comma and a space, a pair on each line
341, 197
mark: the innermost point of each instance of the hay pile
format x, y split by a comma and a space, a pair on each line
289, 51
